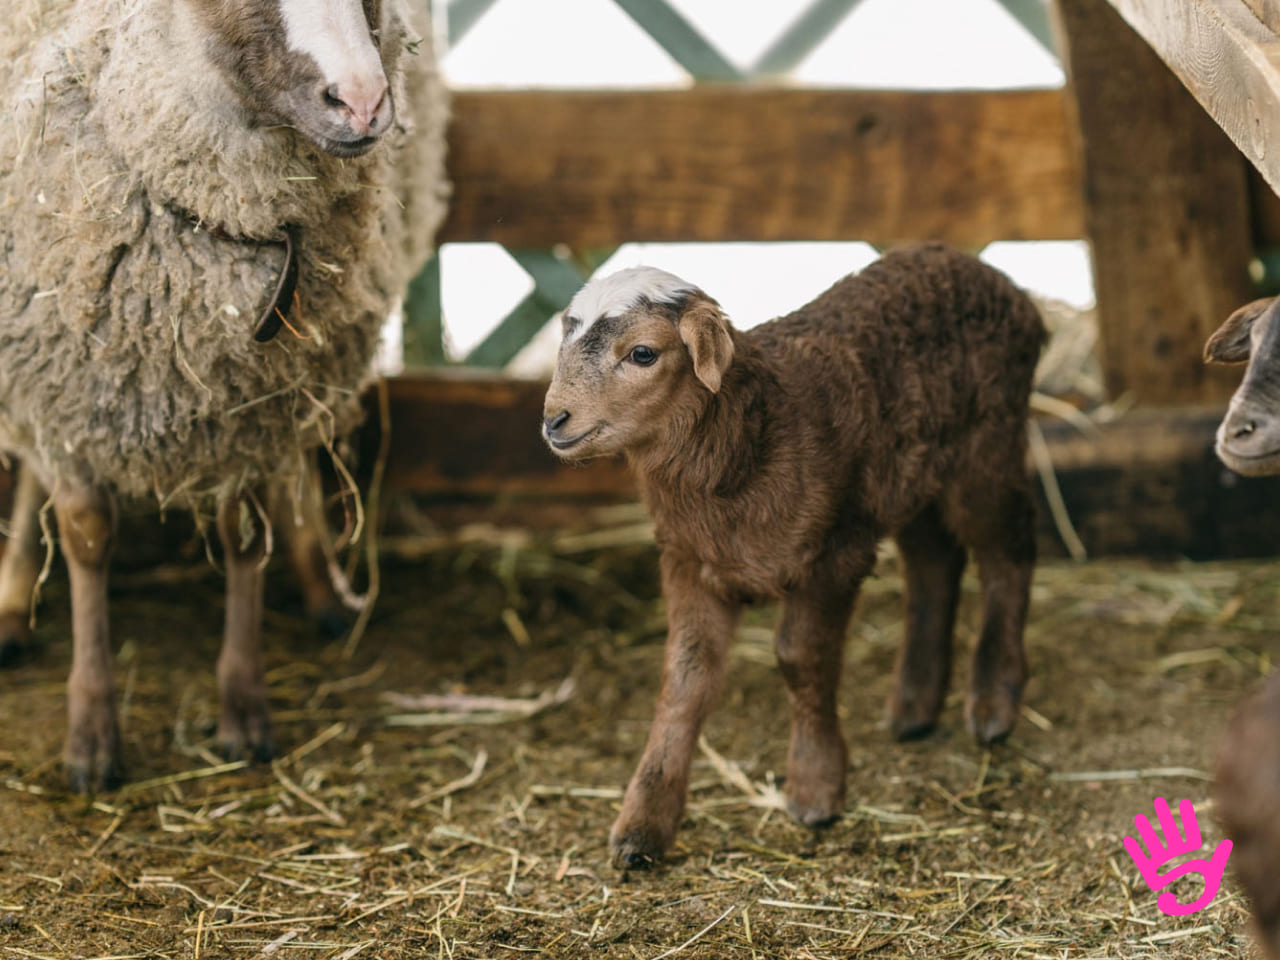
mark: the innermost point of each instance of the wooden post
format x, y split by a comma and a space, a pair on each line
1166, 211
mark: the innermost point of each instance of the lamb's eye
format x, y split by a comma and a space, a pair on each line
642, 356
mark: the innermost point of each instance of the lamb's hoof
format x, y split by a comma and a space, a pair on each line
92, 761
331, 623
245, 733
814, 813
815, 778
638, 848
910, 718
991, 716
15, 638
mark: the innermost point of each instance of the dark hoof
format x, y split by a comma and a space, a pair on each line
92, 762
991, 717
15, 639
331, 623
814, 815
637, 849
906, 730
909, 720
84, 780
244, 730
237, 748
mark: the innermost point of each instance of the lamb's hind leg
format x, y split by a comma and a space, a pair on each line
244, 726
20, 567
810, 646
86, 529
1000, 527
933, 562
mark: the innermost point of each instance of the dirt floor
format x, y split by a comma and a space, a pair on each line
396, 828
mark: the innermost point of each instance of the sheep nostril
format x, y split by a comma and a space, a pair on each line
1242, 430
555, 423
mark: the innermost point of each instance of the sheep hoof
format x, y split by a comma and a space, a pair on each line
246, 733
814, 814
637, 849
92, 761
991, 716
15, 638
913, 716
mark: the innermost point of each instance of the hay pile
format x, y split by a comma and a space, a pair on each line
473, 823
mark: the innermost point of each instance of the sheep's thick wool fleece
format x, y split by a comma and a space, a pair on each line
137, 252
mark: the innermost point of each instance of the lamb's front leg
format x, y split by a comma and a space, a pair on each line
20, 566
244, 726
700, 628
86, 527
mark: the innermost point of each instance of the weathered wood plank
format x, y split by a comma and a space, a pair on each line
1228, 59
589, 169
1166, 211
463, 433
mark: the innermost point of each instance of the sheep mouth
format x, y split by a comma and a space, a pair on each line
347, 149
1252, 464
564, 446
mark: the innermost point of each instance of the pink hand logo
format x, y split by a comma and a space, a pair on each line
1175, 847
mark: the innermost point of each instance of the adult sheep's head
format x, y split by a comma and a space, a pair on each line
319, 66
1249, 437
643, 352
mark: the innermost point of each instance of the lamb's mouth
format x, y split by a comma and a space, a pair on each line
1250, 465
564, 446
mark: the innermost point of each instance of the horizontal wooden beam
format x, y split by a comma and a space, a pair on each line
1229, 60
1146, 484
596, 169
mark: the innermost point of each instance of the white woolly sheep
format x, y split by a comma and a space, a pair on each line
210, 208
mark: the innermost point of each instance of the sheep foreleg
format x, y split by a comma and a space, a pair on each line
20, 566
243, 722
302, 523
86, 526
700, 631
810, 646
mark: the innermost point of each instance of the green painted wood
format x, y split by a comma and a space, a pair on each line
463, 15
424, 318
556, 279
511, 336
678, 37
802, 37
1034, 17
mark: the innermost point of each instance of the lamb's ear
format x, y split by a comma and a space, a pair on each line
1230, 342
705, 331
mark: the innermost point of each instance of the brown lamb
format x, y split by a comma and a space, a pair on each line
1247, 791
773, 461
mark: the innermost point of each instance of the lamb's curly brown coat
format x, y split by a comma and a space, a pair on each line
137, 250
773, 461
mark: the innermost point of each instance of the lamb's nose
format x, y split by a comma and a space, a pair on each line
1241, 428
553, 424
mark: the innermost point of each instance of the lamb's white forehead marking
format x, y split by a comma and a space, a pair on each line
336, 35
619, 292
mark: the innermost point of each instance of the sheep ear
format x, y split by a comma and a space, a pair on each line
705, 331
1230, 342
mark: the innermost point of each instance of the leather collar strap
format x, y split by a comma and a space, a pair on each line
277, 311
